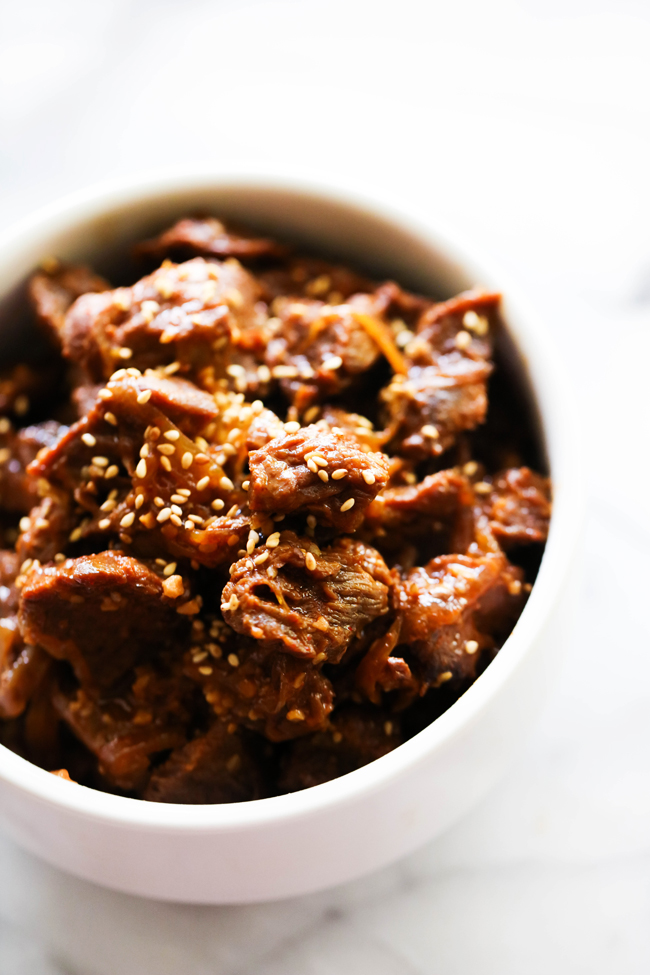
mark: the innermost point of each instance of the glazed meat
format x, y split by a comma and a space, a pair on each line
259, 524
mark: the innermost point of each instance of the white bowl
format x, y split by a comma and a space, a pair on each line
293, 844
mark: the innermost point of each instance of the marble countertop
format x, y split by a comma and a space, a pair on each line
525, 124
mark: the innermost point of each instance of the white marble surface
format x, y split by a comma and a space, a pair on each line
527, 124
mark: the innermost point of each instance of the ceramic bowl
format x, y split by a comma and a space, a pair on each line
292, 844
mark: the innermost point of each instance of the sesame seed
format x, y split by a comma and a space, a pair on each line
253, 539
285, 372
171, 368
173, 587
175, 520
176, 509
104, 524
333, 363
236, 370
233, 659
482, 487
273, 540
159, 502
203, 483
232, 512
470, 468
311, 521
225, 483
149, 310
428, 430
59, 557
164, 515
153, 432
201, 459
184, 491
347, 504
310, 561
471, 646
139, 501
292, 426
271, 572
24, 524
261, 559
75, 535
21, 405
108, 505
206, 671
233, 539
368, 477
120, 374
127, 520
143, 397
324, 476
189, 525
88, 439
388, 727
100, 461
167, 449
166, 463
5, 424
463, 340
475, 323
312, 465
186, 460
338, 474
171, 434
197, 519
125, 353
111, 418
141, 469
112, 471
217, 504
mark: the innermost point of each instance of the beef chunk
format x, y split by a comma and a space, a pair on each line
409, 508
312, 278
195, 313
451, 610
126, 731
207, 237
356, 736
444, 389
22, 667
18, 490
318, 472
55, 287
317, 349
268, 690
303, 601
517, 503
103, 613
140, 475
219, 766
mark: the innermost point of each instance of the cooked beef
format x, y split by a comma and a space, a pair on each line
243, 567
103, 613
355, 736
316, 472
207, 237
294, 597
54, 288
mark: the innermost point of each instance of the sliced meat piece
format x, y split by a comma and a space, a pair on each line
312, 278
356, 736
194, 313
444, 390
452, 610
517, 503
436, 498
103, 613
19, 491
353, 424
45, 532
303, 601
317, 349
268, 690
318, 472
22, 668
207, 237
219, 766
53, 289
123, 734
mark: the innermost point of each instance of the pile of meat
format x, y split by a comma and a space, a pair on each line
259, 526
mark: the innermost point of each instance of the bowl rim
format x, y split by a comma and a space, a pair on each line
560, 426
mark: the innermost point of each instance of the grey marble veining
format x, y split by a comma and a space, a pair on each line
525, 124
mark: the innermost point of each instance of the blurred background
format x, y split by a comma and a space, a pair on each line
524, 124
